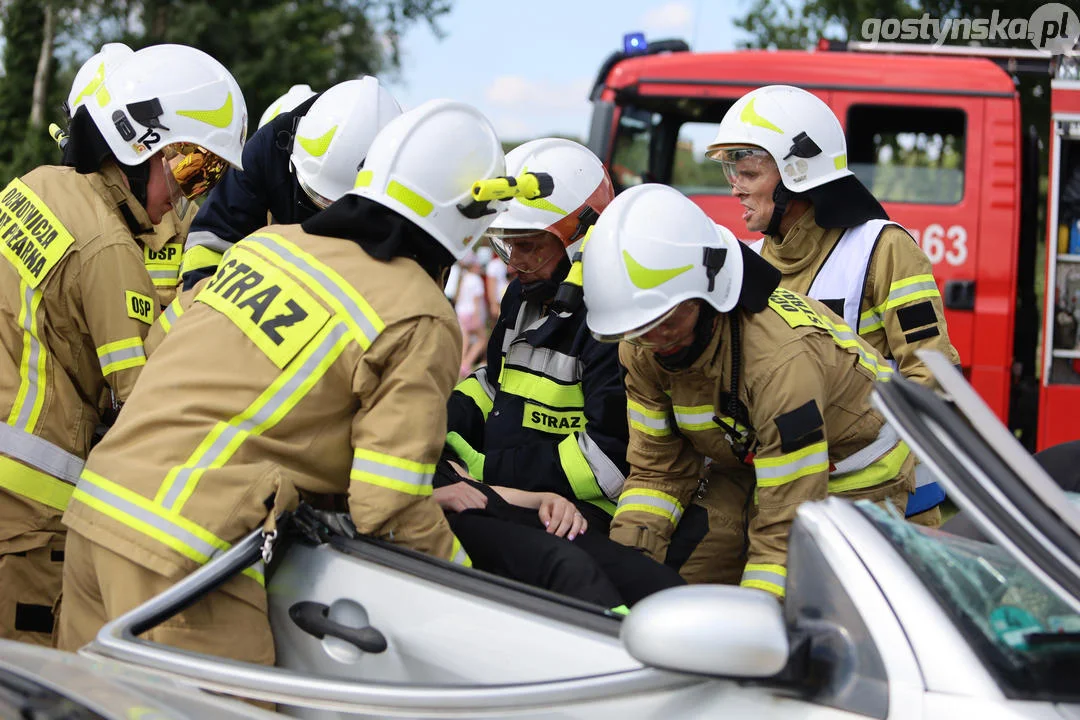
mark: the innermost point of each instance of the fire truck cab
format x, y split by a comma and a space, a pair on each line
938, 140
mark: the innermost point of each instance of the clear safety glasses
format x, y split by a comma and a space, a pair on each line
634, 337
524, 250
739, 162
191, 170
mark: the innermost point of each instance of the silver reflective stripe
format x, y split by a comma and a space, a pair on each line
607, 474
911, 290
33, 381
885, 441
685, 419
165, 274
545, 361
207, 239
116, 356
354, 311
924, 476
794, 467
40, 453
170, 315
150, 518
481, 376
650, 422
843, 332
460, 556
765, 576
392, 472
262, 415
669, 508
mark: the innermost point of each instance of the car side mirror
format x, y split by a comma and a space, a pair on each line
710, 630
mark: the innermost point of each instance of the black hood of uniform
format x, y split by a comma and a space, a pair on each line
381, 232
760, 278
844, 203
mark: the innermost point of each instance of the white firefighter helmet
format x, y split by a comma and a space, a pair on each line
333, 137
798, 130
652, 249
582, 191
292, 97
166, 95
92, 73
423, 164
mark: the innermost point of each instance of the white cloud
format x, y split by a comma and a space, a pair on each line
522, 107
539, 96
672, 19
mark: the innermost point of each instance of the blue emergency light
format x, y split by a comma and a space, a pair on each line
634, 43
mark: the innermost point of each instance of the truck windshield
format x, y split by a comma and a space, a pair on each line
1026, 636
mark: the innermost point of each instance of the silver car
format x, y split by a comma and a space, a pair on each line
882, 619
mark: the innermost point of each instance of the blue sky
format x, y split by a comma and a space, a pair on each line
529, 66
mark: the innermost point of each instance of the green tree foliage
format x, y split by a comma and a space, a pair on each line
268, 45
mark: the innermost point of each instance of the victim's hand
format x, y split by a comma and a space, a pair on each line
561, 517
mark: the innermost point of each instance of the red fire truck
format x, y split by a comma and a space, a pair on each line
939, 140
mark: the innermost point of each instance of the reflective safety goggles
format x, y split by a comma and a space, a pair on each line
634, 337
730, 159
524, 250
192, 170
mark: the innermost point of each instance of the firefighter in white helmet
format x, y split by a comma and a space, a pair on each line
349, 352
76, 296
286, 102
543, 425
785, 155
723, 365
163, 247
293, 166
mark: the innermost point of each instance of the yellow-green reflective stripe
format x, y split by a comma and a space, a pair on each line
650, 422
164, 277
290, 387
541, 389
324, 282
882, 470
750, 116
650, 501
316, 147
91, 87
604, 504
410, 198
647, 278
785, 468
141, 514
121, 355
219, 118
394, 473
578, 472
764, 576
471, 388
199, 257
458, 556
901, 292
31, 397
845, 338
34, 484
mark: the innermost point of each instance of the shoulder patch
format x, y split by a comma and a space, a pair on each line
800, 427
140, 307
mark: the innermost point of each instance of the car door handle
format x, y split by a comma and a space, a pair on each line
313, 618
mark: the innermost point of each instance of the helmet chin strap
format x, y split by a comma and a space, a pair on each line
540, 291
781, 197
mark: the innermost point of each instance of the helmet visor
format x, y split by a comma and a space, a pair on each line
192, 169
321, 201
635, 336
741, 164
524, 250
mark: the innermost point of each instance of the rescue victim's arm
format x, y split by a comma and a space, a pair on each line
906, 311
791, 463
119, 306
664, 467
403, 383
